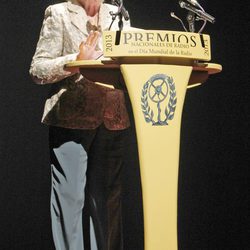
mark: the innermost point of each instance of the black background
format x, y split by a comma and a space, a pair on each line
214, 158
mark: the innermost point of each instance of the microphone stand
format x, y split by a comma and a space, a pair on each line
119, 13
191, 21
120, 23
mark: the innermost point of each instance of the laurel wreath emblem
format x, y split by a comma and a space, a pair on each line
170, 108
172, 101
148, 113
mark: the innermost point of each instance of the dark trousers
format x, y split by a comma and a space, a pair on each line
86, 173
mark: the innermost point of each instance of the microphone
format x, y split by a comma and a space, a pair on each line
194, 3
202, 14
172, 14
125, 13
121, 9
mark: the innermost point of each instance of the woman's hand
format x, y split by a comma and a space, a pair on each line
88, 49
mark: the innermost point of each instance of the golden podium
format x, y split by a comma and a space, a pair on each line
158, 67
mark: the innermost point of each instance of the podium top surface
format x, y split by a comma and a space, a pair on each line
210, 68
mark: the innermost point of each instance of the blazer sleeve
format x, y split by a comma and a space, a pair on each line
47, 65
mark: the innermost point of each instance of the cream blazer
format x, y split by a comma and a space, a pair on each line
64, 28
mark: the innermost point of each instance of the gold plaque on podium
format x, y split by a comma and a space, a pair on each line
157, 43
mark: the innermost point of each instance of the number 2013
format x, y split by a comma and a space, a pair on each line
108, 39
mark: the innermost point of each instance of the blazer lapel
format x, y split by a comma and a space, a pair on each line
78, 17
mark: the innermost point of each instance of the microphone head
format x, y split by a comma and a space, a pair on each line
193, 2
182, 4
172, 14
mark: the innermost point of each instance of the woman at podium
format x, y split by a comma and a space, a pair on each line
87, 123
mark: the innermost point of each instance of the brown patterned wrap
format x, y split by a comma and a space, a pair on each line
85, 105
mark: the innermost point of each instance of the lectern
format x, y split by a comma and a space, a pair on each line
157, 67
